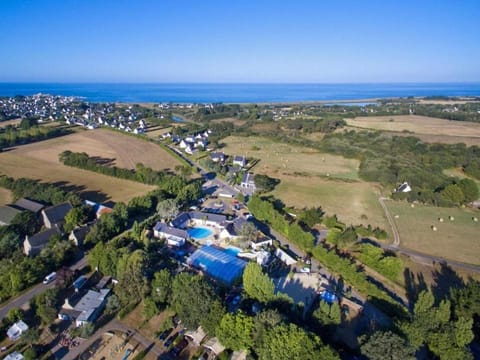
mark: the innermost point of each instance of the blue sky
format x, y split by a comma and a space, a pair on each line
239, 41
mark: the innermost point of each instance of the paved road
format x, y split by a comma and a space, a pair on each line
416, 255
25, 298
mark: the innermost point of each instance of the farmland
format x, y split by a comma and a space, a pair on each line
310, 178
122, 150
454, 239
40, 161
427, 128
279, 159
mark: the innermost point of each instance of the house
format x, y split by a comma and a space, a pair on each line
84, 307
248, 181
194, 218
27, 204
7, 214
54, 216
32, 245
15, 331
287, 258
14, 356
98, 208
217, 157
196, 336
404, 187
260, 243
233, 230
214, 346
174, 236
77, 235
239, 160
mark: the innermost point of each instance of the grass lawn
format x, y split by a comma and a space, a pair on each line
5, 196
456, 240
352, 202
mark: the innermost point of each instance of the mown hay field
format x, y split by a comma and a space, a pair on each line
40, 161
436, 129
455, 239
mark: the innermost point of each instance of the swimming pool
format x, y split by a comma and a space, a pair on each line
199, 232
232, 250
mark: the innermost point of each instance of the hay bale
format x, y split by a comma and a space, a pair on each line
440, 219
434, 228
451, 218
412, 205
397, 216
475, 219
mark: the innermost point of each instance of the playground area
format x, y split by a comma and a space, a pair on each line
112, 347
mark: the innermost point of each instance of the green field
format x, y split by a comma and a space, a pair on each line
277, 159
456, 240
311, 178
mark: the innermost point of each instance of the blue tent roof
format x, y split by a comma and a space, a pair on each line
329, 297
217, 263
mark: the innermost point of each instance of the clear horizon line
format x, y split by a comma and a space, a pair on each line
239, 82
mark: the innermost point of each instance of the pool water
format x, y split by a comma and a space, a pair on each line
232, 250
199, 232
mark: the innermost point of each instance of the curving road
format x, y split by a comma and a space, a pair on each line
396, 234
417, 256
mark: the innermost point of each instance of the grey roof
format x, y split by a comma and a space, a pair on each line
235, 228
164, 228
90, 302
81, 232
239, 158
248, 178
57, 213
29, 205
7, 214
217, 155
41, 238
197, 215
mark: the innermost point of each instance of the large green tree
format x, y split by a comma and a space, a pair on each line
387, 346
132, 284
257, 284
192, 298
293, 343
236, 331
162, 286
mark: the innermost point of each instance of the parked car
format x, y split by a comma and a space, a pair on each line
180, 346
165, 334
49, 278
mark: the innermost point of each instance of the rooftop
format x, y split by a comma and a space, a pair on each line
57, 213
217, 263
7, 214
29, 205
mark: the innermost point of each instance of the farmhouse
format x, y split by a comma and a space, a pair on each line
54, 216
16, 330
84, 307
217, 263
405, 188
98, 208
248, 181
194, 218
260, 243
27, 204
239, 160
218, 157
77, 236
7, 214
174, 236
34, 244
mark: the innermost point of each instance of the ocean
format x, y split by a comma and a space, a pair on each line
237, 93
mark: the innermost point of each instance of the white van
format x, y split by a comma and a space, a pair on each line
49, 278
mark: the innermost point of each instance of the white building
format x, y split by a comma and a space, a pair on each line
16, 330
